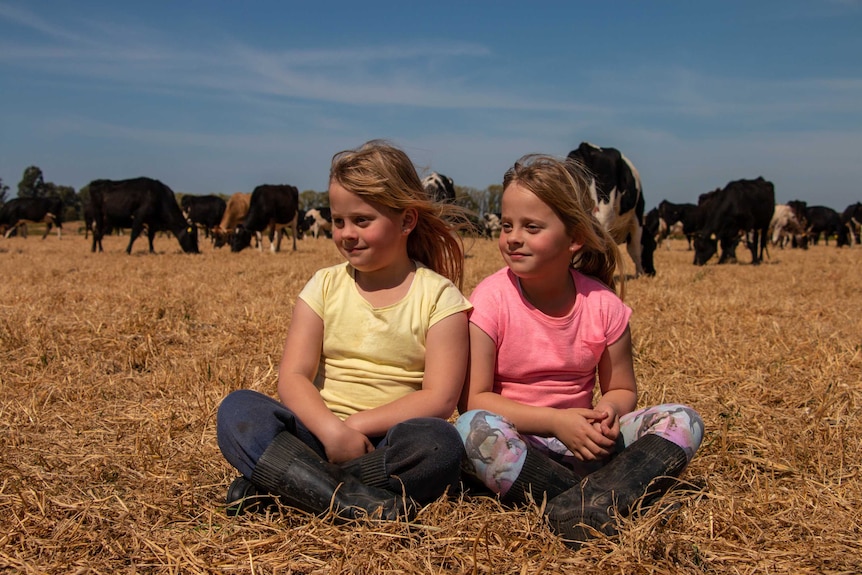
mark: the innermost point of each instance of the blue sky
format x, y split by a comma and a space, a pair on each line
218, 97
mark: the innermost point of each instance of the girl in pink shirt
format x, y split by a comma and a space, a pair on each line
541, 331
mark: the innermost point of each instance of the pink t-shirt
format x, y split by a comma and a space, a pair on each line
542, 360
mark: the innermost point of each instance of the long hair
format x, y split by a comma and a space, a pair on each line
564, 185
381, 173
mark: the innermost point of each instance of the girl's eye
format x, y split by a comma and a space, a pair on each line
533, 228
507, 227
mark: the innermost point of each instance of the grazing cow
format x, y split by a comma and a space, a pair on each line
799, 211
139, 203
440, 188
204, 211
491, 224
319, 220
655, 227
271, 206
784, 226
18, 212
826, 221
852, 219
236, 209
618, 194
743, 207
685, 214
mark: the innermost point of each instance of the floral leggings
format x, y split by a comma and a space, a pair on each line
496, 451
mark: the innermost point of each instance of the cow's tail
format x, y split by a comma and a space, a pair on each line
295, 227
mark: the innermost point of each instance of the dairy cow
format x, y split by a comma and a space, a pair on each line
684, 214
18, 212
784, 227
271, 206
319, 220
204, 211
138, 203
743, 208
852, 220
617, 191
439, 188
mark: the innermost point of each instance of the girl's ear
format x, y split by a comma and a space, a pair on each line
575, 246
409, 220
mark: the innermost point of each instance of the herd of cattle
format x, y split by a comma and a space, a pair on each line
742, 210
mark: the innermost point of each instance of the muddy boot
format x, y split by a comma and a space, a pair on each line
243, 496
645, 469
293, 471
540, 478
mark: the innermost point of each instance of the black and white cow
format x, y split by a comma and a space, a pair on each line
491, 224
440, 188
618, 193
18, 212
139, 203
319, 220
271, 206
799, 211
655, 226
743, 208
852, 220
784, 228
685, 214
204, 211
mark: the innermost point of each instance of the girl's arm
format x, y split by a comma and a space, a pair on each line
617, 382
572, 426
296, 389
446, 350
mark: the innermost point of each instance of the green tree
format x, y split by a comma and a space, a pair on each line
311, 199
495, 198
468, 197
83, 198
32, 184
3, 190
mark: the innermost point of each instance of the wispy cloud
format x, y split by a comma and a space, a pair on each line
419, 74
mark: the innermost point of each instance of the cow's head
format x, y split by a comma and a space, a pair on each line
704, 248
188, 238
241, 239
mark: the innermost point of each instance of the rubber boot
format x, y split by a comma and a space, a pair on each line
644, 471
304, 481
243, 496
540, 478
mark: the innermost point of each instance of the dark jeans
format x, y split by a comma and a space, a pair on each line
422, 455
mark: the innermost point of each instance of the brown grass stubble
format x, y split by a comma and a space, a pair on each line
112, 368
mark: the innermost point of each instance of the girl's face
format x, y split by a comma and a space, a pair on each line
370, 236
533, 239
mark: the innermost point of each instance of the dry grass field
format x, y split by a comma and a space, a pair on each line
112, 368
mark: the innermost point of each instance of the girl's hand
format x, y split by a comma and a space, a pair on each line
609, 426
581, 431
345, 444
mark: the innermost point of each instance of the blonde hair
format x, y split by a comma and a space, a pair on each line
564, 185
381, 173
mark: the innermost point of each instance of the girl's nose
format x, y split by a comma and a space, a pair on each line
348, 231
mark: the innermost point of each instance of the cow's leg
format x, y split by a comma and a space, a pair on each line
635, 249
752, 238
137, 228
151, 235
275, 242
295, 228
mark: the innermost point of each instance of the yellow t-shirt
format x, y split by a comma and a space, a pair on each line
373, 356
